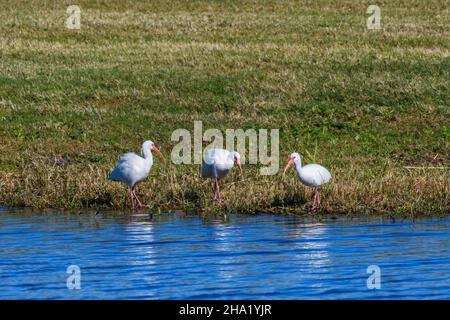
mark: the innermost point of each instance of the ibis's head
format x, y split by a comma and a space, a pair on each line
237, 160
150, 146
294, 157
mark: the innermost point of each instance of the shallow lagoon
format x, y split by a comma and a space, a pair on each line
180, 256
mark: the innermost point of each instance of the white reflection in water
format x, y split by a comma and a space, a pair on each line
310, 252
143, 233
311, 243
222, 241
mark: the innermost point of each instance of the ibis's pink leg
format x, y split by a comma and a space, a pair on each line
216, 190
314, 205
139, 204
318, 197
132, 197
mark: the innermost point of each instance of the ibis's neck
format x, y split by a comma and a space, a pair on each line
231, 157
298, 165
148, 155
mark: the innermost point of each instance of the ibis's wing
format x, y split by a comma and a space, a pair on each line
130, 156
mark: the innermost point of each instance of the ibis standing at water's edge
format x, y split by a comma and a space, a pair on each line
217, 163
133, 168
311, 175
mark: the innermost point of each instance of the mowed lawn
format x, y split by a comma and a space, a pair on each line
370, 105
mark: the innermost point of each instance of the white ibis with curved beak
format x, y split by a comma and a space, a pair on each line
217, 163
311, 175
133, 168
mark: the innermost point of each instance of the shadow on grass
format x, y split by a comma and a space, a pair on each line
289, 200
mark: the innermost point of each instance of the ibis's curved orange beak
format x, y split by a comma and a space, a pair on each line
289, 163
154, 148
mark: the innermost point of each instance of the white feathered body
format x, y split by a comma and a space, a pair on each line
217, 163
132, 168
313, 175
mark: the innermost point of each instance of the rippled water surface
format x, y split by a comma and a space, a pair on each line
176, 256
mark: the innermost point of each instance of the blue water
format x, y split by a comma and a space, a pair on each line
178, 256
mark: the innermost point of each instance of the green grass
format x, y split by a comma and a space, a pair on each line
368, 104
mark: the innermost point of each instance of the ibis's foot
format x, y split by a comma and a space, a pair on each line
216, 196
315, 202
139, 204
313, 206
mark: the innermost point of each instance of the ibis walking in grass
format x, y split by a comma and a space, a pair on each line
311, 175
217, 163
133, 168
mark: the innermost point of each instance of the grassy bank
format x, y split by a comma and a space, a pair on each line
371, 105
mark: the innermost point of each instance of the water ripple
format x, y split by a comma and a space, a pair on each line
184, 257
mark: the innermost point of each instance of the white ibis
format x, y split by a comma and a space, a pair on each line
311, 175
133, 168
217, 163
